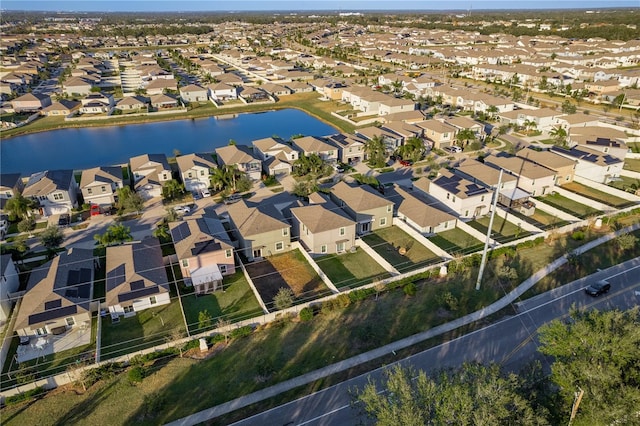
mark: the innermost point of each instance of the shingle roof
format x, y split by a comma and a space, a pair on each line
519, 167
255, 220
545, 158
358, 198
189, 161
101, 174
193, 237
459, 186
44, 183
419, 212
481, 172
321, 217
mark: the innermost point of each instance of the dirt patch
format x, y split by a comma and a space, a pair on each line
287, 270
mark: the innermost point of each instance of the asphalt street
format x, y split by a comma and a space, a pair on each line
511, 342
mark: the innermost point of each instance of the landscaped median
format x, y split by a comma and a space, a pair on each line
339, 328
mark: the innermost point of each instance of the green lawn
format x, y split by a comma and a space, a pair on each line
456, 241
541, 219
502, 231
625, 183
235, 303
388, 242
147, 328
597, 195
567, 205
351, 269
632, 164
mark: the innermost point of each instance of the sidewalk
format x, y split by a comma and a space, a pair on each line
346, 364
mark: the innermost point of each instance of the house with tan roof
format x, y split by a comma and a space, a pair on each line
132, 103
193, 93
440, 134
135, 278
241, 156
276, 155
370, 210
62, 107
467, 199
259, 229
204, 251
99, 185
563, 166
58, 295
149, 173
422, 217
314, 145
162, 101
350, 147
160, 85
391, 140
55, 191
275, 89
532, 178
544, 118
323, 228
299, 87
222, 92
31, 102
578, 120
77, 86
592, 164
195, 170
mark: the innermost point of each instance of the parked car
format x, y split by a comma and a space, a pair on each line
233, 198
64, 220
95, 210
454, 149
406, 163
182, 209
598, 288
206, 193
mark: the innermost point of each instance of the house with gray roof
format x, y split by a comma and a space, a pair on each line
533, 178
99, 185
58, 295
241, 156
314, 145
323, 228
421, 216
259, 229
55, 191
135, 278
149, 172
9, 283
370, 210
205, 252
195, 170
592, 164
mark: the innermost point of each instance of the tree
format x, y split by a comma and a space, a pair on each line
413, 149
568, 107
51, 238
559, 134
27, 224
492, 110
283, 299
115, 234
529, 124
473, 395
172, 189
598, 352
464, 136
376, 151
204, 320
311, 164
129, 201
19, 207
626, 241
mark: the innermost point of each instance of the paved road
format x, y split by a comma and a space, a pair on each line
511, 342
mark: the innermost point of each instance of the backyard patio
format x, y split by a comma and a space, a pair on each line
40, 347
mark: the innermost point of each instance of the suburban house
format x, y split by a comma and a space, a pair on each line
466, 198
323, 228
533, 178
465, 123
299, 87
135, 278
149, 172
370, 210
31, 102
605, 144
484, 175
97, 103
58, 295
391, 140
100, 185
563, 166
193, 93
162, 101
544, 119
132, 103
421, 216
10, 186
222, 92
242, 157
195, 170
259, 229
204, 251
62, 107
56, 191
312, 145
276, 155
275, 89
393, 105
9, 283
592, 164
350, 147
440, 134
77, 86
252, 94
160, 86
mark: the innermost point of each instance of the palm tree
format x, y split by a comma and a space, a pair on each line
19, 206
376, 151
492, 110
465, 135
413, 149
529, 124
560, 135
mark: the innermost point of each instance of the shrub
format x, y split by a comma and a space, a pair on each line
94, 375
136, 374
283, 299
578, 236
14, 399
410, 289
26, 224
241, 332
151, 356
306, 314
343, 300
361, 294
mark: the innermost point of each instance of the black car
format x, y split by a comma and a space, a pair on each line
64, 220
598, 288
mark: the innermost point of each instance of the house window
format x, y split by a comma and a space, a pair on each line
285, 232
446, 225
201, 172
482, 199
533, 193
104, 188
89, 191
128, 309
323, 248
466, 212
57, 196
389, 208
383, 221
279, 246
153, 300
185, 263
567, 178
189, 175
227, 253
448, 196
164, 176
453, 198
223, 269
342, 231
70, 321
41, 331
339, 247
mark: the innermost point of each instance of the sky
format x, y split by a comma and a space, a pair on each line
292, 5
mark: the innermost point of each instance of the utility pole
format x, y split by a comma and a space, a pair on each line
486, 241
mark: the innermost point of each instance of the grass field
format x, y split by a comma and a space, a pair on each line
389, 242
632, 164
626, 183
351, 269
541, 219
456, 241
597, 195
235, 303
567, 205
502, 230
